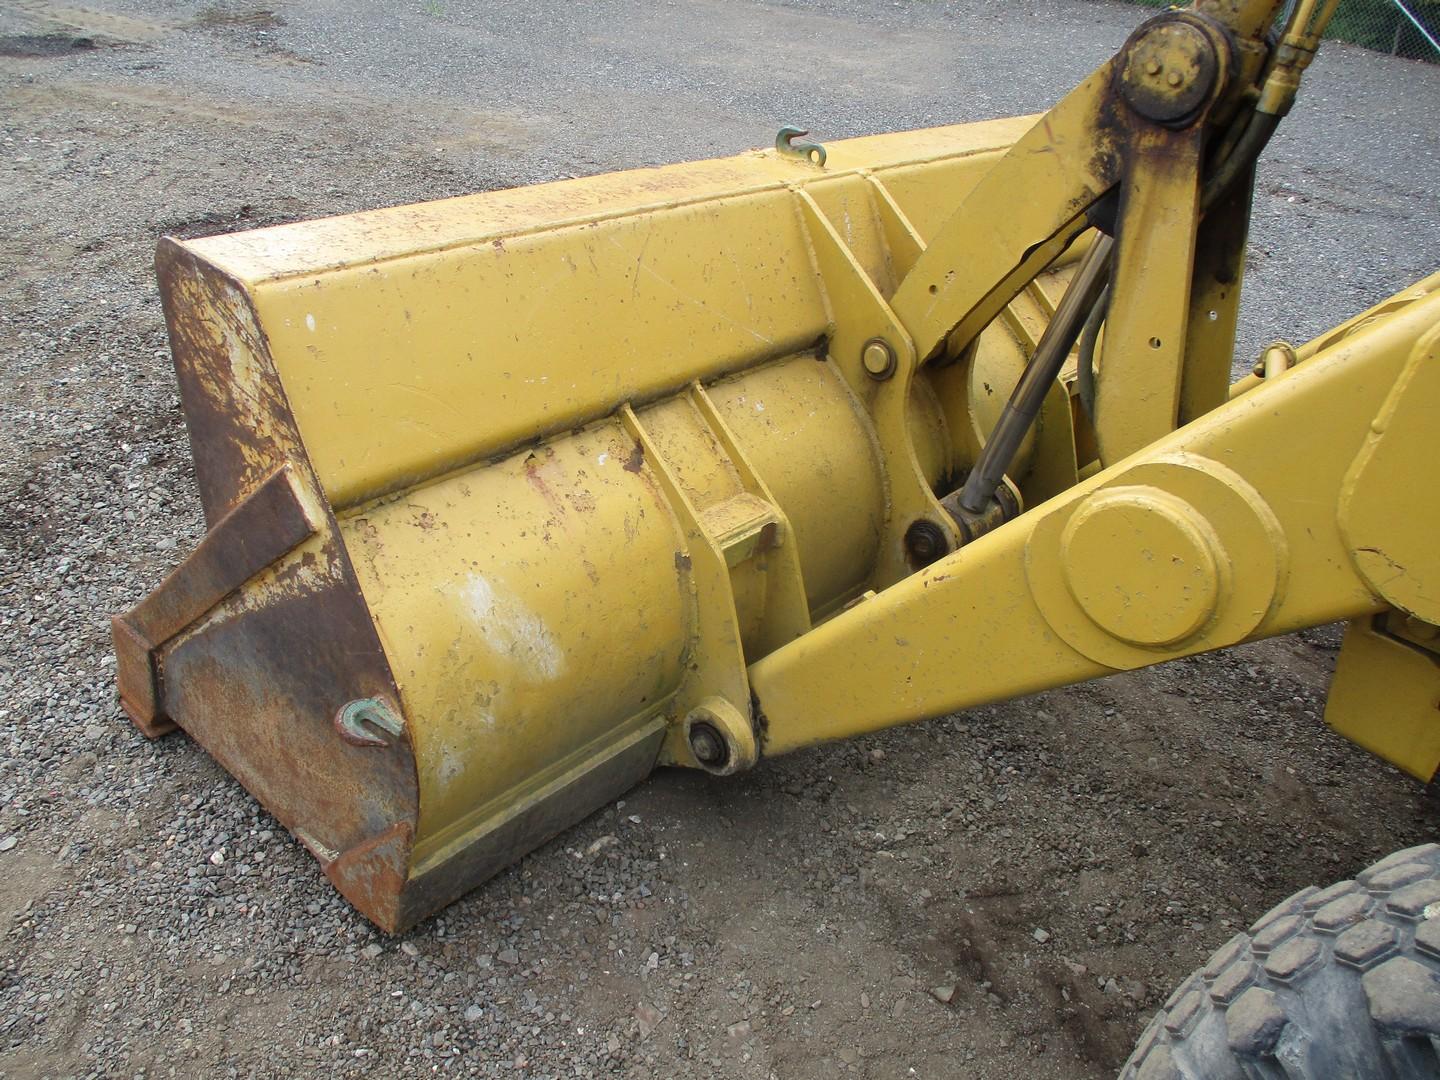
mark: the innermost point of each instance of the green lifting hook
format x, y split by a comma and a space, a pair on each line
786, 144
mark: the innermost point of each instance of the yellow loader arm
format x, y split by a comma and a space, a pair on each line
513, 497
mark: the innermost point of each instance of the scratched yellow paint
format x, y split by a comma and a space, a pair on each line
414, 340
527, 609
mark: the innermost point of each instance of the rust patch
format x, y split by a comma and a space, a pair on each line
138, 678
238, 419
263, 528
532, 465
257, 679
372, 875
759, 722
257, 684
636, 459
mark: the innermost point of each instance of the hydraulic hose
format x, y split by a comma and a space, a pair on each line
1247, 150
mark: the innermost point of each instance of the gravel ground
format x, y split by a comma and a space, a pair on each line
1010, 891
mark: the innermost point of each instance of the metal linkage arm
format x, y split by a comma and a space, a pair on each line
1212, 536
1156, 148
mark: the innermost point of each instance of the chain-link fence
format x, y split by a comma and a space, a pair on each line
1408, 28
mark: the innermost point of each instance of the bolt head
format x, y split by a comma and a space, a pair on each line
925, 542
878, 358
1168, 68
708, 745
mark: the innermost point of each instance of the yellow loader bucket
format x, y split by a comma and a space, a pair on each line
515, 496
505, 491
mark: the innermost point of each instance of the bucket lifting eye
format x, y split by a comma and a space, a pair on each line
785, 142
359, 721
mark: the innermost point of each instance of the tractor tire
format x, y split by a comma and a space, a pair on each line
1339, 982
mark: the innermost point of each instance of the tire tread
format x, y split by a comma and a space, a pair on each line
1335, 982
